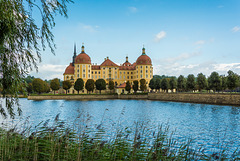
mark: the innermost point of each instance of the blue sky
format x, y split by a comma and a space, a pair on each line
181, 36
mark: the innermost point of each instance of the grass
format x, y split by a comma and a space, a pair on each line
58, 141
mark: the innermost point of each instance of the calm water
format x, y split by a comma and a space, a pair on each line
211, 125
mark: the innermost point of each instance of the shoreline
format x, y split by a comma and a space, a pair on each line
202, 98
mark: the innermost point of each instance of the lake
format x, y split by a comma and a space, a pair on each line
208, 125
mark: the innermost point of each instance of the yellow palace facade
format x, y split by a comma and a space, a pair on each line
82, 67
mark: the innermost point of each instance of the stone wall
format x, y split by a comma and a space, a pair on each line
221, 99
72, 97
217, 98
137, 97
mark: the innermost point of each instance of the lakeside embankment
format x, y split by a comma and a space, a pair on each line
205, 98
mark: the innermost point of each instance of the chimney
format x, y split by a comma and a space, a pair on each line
126, 58
107, 57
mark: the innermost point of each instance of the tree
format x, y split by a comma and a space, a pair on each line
20, 38
79, 85
111, 85
214, 81
152, 83
128, 87
89, 85
224, 82
100, 85
38, 85
158, 84
46, 87
29, 88
143, 85
232, 80
181, 83
165, 84
67, 85
173, 83
191, 82
54, 84
135, 86
201, 82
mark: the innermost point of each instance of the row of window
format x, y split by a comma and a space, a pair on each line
84, 66
142, 67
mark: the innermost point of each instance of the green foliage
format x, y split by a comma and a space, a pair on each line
46, 87
89, 85
165, 84
100, 85
173, 83
214, 81
79, 85
158, 84
191, 82
135, 86
224, 82
128, 87
29, 88
29, 79
232, 80
152, 83
38, 85
161, 77
20, 39
143, 85
181, 83
54, 84
67, 85
58, 141
201, 82
111, 85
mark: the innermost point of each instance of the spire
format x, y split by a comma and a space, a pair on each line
83, 48
74, 54
143, 51
126, 58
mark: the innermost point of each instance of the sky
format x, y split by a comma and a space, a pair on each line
180, 36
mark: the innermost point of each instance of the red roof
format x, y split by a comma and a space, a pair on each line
122, 85
144, 60
108, 62
69, 69
95, 67
128, 66
83, 58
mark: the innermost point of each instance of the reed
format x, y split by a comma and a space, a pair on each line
59, 141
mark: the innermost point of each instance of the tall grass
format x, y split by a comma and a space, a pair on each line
59, 141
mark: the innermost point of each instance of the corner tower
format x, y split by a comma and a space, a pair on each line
144, 67
83, 67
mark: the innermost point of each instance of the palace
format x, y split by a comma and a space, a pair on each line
82, 67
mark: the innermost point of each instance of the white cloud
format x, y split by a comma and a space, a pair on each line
88, 28
200, 42
236, 29
132, 9
160, 36
181, 57
179, 68
49, 71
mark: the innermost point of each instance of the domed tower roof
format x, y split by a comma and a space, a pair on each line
127, 63
144, 59
69, 69
83, 58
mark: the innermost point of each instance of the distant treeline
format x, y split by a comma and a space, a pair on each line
214, 82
